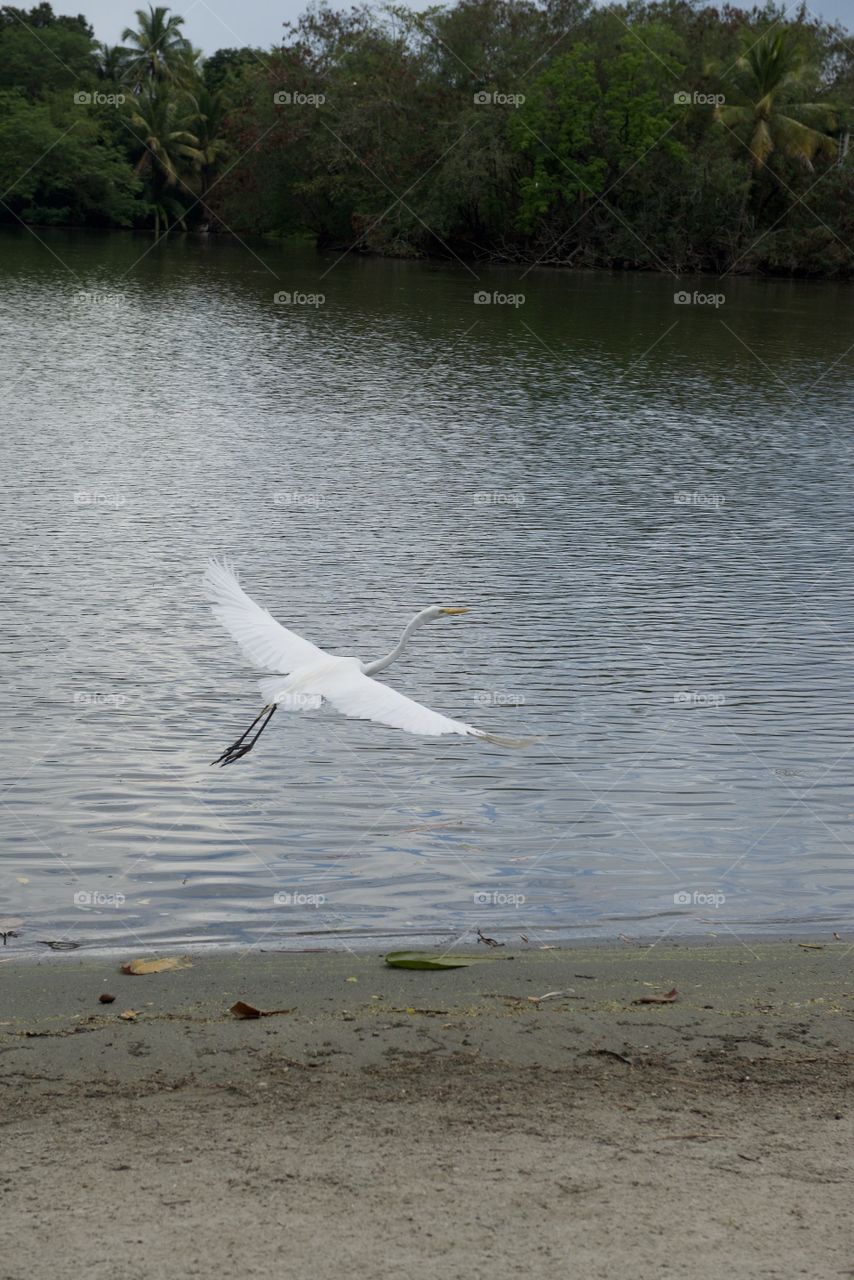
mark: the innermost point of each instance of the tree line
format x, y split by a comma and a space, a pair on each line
665, 135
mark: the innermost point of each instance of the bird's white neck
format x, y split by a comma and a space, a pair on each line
371, 668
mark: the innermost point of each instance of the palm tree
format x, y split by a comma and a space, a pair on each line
209, 108
767, 114
170, 151
112, 62
186, 69
157, 48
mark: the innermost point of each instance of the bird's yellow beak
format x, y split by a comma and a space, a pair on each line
453, 610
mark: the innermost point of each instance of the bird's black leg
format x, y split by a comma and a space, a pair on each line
229, 750
242, 751
235, 751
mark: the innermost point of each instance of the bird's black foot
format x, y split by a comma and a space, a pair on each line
241, 747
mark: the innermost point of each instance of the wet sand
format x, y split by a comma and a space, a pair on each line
439, 1124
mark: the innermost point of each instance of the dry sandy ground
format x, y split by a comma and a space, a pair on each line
399, 1124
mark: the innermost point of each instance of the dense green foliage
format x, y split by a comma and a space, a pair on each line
647, 135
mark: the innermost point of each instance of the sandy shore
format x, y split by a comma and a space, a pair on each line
406, 1123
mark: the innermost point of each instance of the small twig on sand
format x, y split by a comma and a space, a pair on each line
612, 1053
550, 995
688, 1137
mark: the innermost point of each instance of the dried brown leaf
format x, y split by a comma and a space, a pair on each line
244, 1010
667, 998
160, 964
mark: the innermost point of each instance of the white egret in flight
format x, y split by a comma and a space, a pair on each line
305, 675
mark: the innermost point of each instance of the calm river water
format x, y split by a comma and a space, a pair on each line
645, 503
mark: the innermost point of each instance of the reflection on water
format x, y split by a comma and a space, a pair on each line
645, 505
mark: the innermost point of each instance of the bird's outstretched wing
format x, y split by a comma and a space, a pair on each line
361, 698
264, 641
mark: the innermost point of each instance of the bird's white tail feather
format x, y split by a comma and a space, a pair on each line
499, 741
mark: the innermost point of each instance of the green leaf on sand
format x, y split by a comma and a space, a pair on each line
428, 960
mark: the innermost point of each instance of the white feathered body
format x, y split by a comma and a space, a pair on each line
342, 682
